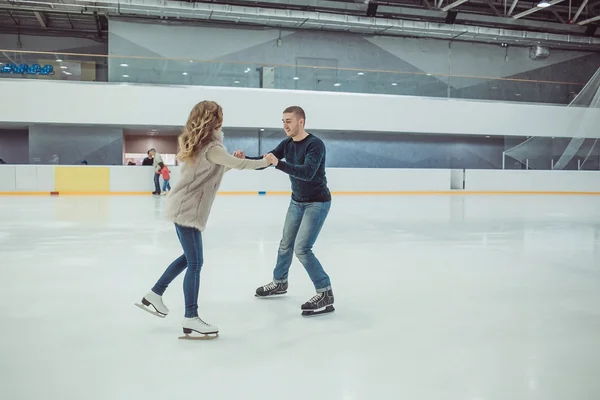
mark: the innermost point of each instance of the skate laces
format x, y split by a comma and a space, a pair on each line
202, 322
316, 298
270, 286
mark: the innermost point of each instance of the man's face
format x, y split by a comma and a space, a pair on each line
292, 124
151, 153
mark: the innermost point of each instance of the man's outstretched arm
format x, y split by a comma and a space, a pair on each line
305, 171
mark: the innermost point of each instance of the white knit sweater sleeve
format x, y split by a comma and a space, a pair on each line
218, 155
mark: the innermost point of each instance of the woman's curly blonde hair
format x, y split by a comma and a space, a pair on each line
205, 118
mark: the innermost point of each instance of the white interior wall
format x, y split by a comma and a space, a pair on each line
150, 105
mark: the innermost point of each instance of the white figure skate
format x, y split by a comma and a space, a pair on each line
155, 301
196, 325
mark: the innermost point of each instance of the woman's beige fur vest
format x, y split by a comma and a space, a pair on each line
191, 198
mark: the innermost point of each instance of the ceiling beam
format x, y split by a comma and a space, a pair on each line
587, 21
406, 21
455, 4
579, 11
427, 4
385, 6
493, 7
536, 9
41, 17
512, 8
558, 17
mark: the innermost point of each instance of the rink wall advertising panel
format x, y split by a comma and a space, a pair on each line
124, 105
131, 180
81, 180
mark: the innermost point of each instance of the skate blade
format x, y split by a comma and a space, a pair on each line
270, 295
315, 313
150, 311
207, 336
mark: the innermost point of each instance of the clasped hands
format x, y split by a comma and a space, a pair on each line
270, 157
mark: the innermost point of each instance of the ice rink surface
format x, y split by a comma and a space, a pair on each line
437, 298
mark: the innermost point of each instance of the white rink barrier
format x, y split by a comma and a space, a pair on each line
131, 180
521, 181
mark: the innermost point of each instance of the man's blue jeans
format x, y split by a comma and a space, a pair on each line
156, 182
192, 259
303, 223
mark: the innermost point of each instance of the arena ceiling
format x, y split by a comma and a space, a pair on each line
569, 23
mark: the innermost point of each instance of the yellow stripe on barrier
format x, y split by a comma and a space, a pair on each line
94, 193
82, 180
25, 193
244, 193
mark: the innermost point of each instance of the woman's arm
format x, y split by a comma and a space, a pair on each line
218, 155
278, 151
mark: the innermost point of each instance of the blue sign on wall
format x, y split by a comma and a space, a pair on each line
24, 69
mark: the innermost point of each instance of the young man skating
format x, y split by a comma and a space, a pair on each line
304, 156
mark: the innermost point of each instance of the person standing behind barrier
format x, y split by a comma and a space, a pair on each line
157, 164
147, 160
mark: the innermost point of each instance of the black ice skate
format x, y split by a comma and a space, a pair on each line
272, 289
322, 303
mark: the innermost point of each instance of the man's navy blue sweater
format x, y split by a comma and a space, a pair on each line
305, 164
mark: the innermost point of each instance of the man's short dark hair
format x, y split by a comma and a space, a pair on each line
296, 110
